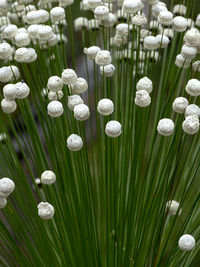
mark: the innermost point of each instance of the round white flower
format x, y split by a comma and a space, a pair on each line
165, 127
33, 31
142, 98
10, 31
22, 39
139, 20
150, 43
69, 76
165, 18
103, 58
188, 52
74, 100
8, 106
113, 129
21, 90
157, 8
9, 91
91, 52
108, 70
5, 51
65, 3
122, 29
101, 13
6, 74
57, 13
172, 207
45, 32
48, 177
80, 86
145, 84
192, 110
81, 112
192, 37
186, 242
105, 107
3, 203
180, 104
22, 54
132, 7
45, 210
80, 23
74, 142
55, 109
7, 186
191, 125
180, 10
179, 24
193, 87
94, 3
55, 83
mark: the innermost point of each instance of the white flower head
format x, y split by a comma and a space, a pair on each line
8, 106
55, 109
165, 127
3, 202
55, 83
74, 142
113, 129
142, 98
180, 104
45, 210
191, 125
74, 100
21, 90
186, 242
145, 84
81, 112
193, 87
103, 58
69, 76
7, 186
48, 177
105, 107
80, 86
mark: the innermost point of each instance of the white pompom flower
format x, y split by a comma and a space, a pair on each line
55, 83
55, 109
91, 52
5, 51
8, 106
48, 177
193, 87
192, 110
45, 210
180, 104
7, 186
107, 71
74, 142
142, 98
21, 90
69, 76
103, 58
165, 127
9, 91
101, 13
81, 112
74, 100
145, 84
186, 242
113, 129
80, 86
57, 13
105, 107
165, 18
55, 95
191, 125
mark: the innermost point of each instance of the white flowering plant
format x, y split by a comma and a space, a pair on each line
99, 143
